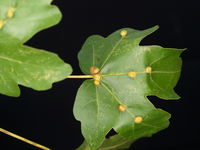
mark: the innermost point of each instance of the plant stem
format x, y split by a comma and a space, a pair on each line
80, 76
23, 139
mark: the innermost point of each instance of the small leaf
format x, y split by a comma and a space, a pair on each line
128, 73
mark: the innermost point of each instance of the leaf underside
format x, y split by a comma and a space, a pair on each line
157, 71
19, 64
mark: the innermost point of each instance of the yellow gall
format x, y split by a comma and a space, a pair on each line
94, 70
123, 33
96, 82
2, 22
10, 12
148, 69
138, 119
97, 77
122, 108
132, 74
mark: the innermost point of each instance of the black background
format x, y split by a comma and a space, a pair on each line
46, 117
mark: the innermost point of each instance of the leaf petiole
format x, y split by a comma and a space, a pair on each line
80, 76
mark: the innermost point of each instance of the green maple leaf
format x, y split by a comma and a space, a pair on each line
126, 74
19, 64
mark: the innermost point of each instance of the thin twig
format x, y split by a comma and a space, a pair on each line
23, 139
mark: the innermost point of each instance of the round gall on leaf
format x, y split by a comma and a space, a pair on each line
132, 74
96, 82
148, 69
123, 33
94, 70
122, 108
138, 119
97, 77
10, 12
2, 22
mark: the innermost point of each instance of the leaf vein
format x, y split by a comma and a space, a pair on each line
11, 59
110, 54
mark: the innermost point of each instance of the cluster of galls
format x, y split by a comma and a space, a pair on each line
9, 15
96, 75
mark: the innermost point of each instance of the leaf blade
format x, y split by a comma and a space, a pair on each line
156, 72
